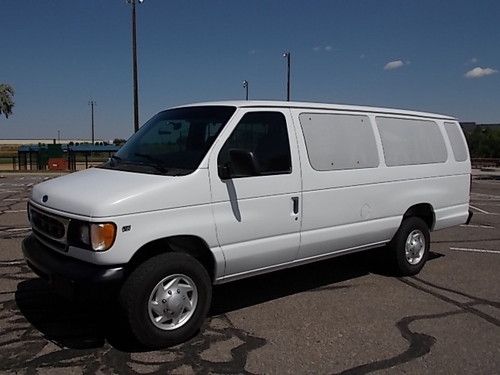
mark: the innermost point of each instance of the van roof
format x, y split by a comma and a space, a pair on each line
310, 105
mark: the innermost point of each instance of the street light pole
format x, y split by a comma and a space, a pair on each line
134, 63
91, 103
286, 55
245, 85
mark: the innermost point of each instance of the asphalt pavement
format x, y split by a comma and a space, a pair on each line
345, 315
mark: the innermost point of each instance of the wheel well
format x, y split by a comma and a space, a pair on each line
192, 245
423, 211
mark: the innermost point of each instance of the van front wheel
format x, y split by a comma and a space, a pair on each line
410, 246
166, 299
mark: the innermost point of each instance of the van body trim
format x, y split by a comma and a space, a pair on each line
298, 262
377, 111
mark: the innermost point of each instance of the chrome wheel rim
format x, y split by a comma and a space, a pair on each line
172, 302
415, 247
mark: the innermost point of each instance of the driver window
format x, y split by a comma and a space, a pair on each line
266, 135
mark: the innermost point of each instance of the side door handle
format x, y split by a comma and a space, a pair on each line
295, 201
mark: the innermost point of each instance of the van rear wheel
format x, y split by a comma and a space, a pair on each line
166, 299
410, 246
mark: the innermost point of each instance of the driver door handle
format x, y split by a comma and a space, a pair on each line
295, 201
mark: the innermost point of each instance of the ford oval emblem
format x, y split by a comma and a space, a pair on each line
45, 198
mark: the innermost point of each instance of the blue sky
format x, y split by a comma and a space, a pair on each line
58, 54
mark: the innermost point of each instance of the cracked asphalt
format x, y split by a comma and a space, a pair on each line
345, 315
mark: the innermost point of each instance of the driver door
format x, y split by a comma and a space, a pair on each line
258, 217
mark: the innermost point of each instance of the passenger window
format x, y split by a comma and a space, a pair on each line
411, 141
265, 135
337, 142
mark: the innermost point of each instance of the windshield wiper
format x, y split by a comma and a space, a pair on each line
155, 163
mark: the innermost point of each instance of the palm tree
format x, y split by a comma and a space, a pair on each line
6, 100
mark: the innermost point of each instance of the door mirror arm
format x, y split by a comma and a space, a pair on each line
224, 171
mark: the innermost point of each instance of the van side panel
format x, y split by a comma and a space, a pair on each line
348, 208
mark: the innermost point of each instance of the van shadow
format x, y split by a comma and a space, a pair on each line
89, 324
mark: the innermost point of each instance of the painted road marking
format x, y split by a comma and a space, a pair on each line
475, 250
479, 210
15, 230
477, 226
486, 195
486, 182
14, 211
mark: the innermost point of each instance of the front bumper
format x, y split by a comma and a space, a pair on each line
60, 269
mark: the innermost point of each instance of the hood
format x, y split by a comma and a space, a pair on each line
100, 192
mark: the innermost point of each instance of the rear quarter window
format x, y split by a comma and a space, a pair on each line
411, 141
456, 138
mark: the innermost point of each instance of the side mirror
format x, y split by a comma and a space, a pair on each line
243, 163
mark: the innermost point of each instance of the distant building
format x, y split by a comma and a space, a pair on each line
28, 141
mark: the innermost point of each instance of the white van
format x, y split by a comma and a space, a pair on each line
208, 193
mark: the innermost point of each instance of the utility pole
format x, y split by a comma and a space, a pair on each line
91, 104
286, 55
245, 85
59, 136
134, 63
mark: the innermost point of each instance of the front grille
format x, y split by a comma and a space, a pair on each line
49, 242
51, 228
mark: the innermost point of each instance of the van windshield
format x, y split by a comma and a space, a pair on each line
173, 142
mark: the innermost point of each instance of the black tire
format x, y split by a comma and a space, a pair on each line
397, 247
136, 291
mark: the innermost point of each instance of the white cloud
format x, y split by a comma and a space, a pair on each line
327, 48
474, 60
479, 72
396, 64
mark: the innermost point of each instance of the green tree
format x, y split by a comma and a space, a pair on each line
6, 99
484, 142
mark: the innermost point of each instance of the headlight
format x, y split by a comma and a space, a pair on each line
92, 236
84, 234
102, 236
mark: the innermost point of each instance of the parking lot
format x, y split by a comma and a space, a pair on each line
345, 315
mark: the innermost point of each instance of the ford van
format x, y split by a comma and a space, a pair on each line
209, 193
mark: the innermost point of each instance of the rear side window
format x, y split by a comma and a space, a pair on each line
266, 135
457, 141
336, 142
409, 142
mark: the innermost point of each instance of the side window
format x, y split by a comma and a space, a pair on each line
264, 134
457, 142
411, 141
336, 142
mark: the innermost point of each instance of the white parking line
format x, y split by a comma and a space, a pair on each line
482, 196
478, 209
475, 250
15, 229
486, 182
13, 211
477, 226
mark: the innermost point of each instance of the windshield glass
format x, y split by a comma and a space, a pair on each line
173, 142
